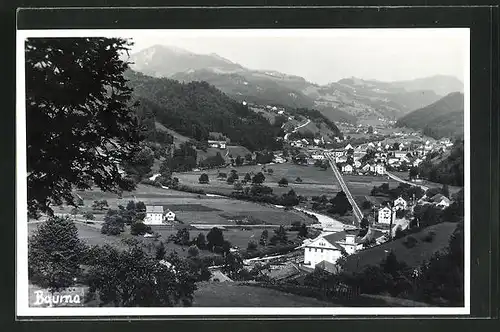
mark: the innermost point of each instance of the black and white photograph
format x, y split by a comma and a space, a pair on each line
243, 172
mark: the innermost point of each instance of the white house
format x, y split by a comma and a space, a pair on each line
337, 153
318, 156
380, 169
349, 244
279, 160
328, 248
154, 215
348, 146
384, 215
342, 159
217, 144
170, 215
400, 204
441, 201
357, 163
346, 168
400, 154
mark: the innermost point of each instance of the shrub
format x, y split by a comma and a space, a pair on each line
88, 215
139, 228
429, 237
193, 251
410, 242
252, 246
203, 178
283, 182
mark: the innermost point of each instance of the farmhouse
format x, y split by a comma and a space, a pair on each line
318, 156
337, 153
440, 201
279, 160
380, 169
348, 147
346, 168
329, 248
217, 144
154, 215
385, 215
400, 204
169, 215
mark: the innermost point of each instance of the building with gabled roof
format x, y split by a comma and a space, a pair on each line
329, 247
440, 200
154, 215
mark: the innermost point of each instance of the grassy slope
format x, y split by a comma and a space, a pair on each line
412, 256
228, 294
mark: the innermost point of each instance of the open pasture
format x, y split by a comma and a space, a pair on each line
192, 208
231, 294
361, 185
314, 181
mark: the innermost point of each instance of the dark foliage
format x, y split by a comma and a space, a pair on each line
80, 125
197, 108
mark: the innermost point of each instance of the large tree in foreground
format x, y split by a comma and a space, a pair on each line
80, 126
54, 254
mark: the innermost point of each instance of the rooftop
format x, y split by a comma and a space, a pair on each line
154, 209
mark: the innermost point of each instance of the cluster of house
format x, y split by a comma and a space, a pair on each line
350, 160
278, 109
157, 215
328, 247
385, 213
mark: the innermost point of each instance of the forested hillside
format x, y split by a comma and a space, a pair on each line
449, 170
258, 90
443, 118
195, 109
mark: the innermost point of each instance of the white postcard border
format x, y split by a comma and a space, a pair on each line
22, 306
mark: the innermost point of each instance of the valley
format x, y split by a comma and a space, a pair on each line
248, 187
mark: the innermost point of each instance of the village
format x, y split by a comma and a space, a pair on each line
398, 153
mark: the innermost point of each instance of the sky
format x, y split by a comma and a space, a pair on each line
327, 55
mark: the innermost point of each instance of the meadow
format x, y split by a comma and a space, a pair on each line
314, 180
231, 294
193, 208
414, 256
362, 185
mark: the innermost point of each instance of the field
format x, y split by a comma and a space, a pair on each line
361, 185
412, 256
229, 294
91, 235
195, 209
314, 180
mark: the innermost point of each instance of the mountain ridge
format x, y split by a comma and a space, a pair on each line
348, 98
444, 118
